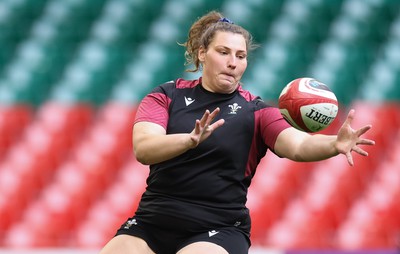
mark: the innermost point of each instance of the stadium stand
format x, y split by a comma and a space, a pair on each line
72, 73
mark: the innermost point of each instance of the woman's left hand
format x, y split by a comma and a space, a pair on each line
348, 139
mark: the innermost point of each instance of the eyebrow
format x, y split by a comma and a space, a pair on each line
227, 48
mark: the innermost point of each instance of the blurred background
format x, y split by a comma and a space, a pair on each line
72, 73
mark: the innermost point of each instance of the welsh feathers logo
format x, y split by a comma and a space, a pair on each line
234, 108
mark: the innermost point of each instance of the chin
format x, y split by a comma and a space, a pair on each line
228, 87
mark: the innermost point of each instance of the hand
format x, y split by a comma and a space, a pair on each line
203, 127
348, 139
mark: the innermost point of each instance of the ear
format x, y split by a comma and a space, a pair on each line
201, 54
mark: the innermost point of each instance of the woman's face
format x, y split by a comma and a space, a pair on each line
224, 62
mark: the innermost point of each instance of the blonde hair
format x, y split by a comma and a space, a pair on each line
202, 32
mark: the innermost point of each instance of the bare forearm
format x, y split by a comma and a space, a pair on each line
152, 144
300, 146
157, 148
316, 147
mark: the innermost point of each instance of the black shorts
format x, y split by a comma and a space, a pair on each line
169, 240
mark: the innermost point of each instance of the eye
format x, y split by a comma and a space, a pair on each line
241, 57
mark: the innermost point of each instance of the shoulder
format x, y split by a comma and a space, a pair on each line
256, 100
183, 83
247, 95
172, 85
164, 87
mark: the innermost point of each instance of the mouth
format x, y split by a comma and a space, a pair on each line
229, 76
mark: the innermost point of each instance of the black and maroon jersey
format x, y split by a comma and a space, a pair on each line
208, 184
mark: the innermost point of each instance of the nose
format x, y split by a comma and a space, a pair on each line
232, 62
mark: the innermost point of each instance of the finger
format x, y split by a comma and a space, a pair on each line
217, 124
214, 113
360, 151
366, 142
197, 128
349, 158
204, 119
350, 117
363, 130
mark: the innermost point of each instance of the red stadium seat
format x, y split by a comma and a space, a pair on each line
80, 194
384, 129
132, 176
11, 203
20, 236
114, 207
118, 116
57, 115
374, 221
98, 169
42, 148
276, 182
365, 229
36, 235
103, 220
18, 187
91, 167
13, 121
291, 232
125, 194
110, 145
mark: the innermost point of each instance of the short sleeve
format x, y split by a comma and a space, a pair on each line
154, 108
271, 125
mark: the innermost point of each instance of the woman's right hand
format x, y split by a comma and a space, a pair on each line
203, 127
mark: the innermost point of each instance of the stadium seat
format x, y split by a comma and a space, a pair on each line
128, 188
119, 118
148, 67
372, 221
71, 76
116, 205
385, 71
256, 16
42, 148
334, 186
11, 202
364, 229
82, 192
291, 232
19, 237
99, 227
290, 45
34, 236
15, 20
39, 58
13, 121
276, 183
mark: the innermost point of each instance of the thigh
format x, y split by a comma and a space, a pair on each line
126, 244
201, 248
225, 240
157, 233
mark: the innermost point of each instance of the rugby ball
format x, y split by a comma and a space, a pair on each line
308, 104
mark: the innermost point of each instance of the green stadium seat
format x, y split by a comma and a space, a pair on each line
16, 18
101, 59
384, 75
357, 33
40, 59
255, 16
149, 67
291, 46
